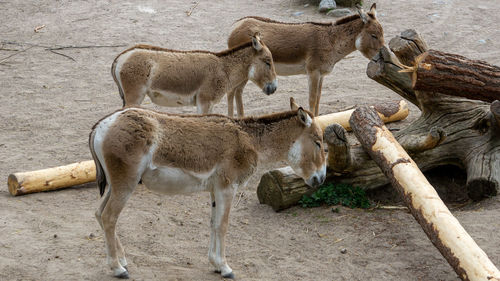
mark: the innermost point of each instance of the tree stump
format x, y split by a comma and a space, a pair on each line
450, 131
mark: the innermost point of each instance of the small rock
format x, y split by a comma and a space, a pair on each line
296, 14
481, 41
91, 236
55, 235
339, 13
326, 5
348, 3
343, 251
306, 5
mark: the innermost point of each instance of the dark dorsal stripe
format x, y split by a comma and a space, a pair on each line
287, 23
340, 21
271, 118
218, 54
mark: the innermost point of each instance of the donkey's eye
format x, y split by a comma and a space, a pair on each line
318, 144
374, 36
268, 64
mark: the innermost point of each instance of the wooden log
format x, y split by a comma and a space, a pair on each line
443, 229
456, 75
51, 178
389, 112
282, 188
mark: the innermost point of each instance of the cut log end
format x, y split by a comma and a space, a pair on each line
14, 185
339, 153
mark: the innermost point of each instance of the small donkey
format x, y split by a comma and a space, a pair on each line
310, 48
175, 154
200, 78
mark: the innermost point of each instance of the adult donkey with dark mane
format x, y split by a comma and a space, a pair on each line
176, 154
310, 48
199, 78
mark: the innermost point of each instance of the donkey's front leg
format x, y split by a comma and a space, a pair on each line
223, 199
238, 93
211, 247
230, 103
314, 90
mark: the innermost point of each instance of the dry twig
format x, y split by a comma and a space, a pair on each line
188, 13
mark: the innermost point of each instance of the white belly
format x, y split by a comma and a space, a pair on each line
290, 69
168, 180
172, 99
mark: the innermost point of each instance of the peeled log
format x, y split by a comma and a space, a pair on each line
443, 229
389, 112
51, 178
456, 75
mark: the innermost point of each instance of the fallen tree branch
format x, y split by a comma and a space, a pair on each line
443, 229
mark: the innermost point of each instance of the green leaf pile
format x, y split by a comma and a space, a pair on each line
343, 194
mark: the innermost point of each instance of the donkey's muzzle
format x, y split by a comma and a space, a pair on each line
316, 180
270, 88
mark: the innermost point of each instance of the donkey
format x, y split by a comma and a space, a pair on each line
200, 78
310, 48
175, 154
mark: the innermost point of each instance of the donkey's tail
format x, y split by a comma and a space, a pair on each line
100, 175
113, 73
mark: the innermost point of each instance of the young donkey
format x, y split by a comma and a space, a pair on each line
310, 48
175, 154
201, 78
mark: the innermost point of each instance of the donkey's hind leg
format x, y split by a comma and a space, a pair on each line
98, 212
119, 195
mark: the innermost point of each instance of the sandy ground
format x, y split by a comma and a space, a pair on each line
49, 103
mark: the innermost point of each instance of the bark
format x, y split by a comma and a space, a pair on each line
456, 75
51, 178
450, 131
442, 228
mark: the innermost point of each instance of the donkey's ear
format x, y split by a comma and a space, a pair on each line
362, 14
304, 117
293, 104
256, 44
373, 11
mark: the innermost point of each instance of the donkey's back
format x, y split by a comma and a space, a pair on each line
169, 77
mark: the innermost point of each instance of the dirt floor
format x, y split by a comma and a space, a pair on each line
50, 101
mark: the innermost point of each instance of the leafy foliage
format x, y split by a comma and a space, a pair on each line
330, 194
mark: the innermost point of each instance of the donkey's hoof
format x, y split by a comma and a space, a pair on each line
229, 275
123, 275
217, 271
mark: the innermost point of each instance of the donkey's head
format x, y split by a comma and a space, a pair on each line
371, 37
261, 70
307, 155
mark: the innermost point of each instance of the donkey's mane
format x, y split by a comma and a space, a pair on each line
271, 118
217, 54
249, 120
340, 21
